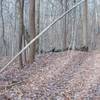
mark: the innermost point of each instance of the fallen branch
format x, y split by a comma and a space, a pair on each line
2, 87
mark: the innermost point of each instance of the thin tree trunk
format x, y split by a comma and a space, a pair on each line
38, 23
74, 28
65, 32
3, 27
85, 23
32, 30
25, 50
94, 26
21, 28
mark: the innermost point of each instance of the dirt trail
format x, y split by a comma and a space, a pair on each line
60, 76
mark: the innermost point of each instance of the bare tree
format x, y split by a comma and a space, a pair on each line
3, 27
32, 29
38, 22
85, 23
65, 22
21, 28
74, 28
94, 26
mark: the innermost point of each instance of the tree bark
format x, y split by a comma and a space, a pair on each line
32, 30
85, 23
38, 23
65, 30
3, 27
21, 28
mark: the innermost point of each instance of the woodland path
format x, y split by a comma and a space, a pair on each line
72, 75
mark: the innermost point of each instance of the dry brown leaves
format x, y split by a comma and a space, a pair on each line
60, 76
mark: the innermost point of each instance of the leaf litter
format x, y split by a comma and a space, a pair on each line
70, 75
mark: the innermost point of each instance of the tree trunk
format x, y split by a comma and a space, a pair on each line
24, 43
32, 30
85, 23
21, 28
65, 30
38, 24
3, 28
94, 26
74, 27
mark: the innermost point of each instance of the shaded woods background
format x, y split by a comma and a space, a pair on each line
68, 32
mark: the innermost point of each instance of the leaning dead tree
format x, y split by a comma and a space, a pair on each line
40, 34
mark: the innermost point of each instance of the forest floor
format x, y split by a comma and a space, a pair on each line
70, 75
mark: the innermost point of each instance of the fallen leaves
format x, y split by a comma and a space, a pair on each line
58, 76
